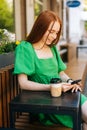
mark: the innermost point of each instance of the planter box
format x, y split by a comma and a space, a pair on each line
6, 59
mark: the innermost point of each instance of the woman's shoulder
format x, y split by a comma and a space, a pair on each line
24, 47
25, 44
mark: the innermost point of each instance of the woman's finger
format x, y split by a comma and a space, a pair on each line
76, 88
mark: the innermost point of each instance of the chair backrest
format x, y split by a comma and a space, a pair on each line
9, 88
84, 78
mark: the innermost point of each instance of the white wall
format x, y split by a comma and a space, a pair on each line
74, 24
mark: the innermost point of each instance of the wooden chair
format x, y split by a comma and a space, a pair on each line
8, 90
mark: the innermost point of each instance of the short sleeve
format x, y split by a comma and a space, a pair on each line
24, 59
61, 64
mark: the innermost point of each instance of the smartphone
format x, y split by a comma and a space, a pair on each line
75, 81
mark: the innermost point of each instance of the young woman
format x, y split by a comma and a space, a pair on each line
37, 61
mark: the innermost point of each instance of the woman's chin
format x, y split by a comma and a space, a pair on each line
48, 43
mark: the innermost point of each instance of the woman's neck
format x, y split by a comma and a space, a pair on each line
39, 45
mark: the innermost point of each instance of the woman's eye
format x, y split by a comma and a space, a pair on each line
53, 32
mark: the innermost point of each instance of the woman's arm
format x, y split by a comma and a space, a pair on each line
64, 77
30, 85
68, 86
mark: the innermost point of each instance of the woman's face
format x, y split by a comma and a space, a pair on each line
51, 33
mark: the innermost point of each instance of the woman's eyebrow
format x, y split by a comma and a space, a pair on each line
53, 30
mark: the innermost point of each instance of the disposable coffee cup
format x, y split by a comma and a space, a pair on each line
56, 87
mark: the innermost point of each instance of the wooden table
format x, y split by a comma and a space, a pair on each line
43, 102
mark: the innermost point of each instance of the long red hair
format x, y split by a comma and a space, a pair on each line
41, 25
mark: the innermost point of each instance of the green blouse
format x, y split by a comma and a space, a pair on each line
38, 70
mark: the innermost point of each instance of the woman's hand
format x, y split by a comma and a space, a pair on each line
66, 87
74, 88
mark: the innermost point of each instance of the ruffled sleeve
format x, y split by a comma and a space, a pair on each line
24, 59
61, 64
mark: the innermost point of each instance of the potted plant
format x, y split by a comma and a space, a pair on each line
7, 47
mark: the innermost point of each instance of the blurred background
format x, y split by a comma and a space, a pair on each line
16, 20
18, 16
